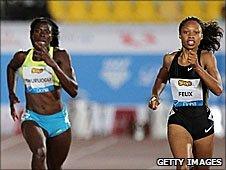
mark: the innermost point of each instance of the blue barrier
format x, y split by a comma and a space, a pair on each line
113, 78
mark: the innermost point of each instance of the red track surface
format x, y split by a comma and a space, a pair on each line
111, 152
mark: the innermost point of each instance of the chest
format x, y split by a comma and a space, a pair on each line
31, 72
178, 71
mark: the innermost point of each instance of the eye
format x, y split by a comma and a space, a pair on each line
197, 32
46, 31
37, 31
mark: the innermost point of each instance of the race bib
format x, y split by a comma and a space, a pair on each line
38, 79
186, 92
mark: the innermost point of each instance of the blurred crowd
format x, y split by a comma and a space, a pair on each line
112, 11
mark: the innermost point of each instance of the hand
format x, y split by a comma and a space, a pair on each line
42, 51
13, 100
153, 103
193, 59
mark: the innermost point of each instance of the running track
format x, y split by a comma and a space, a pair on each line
112, 152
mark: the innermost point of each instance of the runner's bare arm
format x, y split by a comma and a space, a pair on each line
160, 81
210, 76
12, 67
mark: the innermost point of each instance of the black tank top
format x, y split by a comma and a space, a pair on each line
178, 72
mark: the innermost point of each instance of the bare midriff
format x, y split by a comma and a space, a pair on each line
44, 103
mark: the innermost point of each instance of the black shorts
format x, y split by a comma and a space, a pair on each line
197, 120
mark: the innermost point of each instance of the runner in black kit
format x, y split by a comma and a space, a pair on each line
191, 71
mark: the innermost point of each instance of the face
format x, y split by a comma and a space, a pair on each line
191, 35
42, 33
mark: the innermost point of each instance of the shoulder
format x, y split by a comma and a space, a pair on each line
168, 58
20, 56
58, 52
18, 59
61, 55
207, 57
207, 54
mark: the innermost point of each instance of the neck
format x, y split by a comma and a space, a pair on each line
48, 48
183, 58
186, 51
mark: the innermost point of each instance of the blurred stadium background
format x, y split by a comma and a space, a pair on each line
116, 49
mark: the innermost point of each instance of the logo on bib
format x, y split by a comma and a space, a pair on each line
184, 83
37, 70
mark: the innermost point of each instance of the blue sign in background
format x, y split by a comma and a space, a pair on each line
113, 78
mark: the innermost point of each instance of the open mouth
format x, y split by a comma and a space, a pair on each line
191, 42
42, 42
42, 39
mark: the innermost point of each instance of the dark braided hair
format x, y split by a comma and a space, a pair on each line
212, 33
55, 30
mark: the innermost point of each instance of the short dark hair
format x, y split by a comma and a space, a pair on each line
55, 30
212, 33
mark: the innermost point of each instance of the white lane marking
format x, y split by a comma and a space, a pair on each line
94, 148
12, 141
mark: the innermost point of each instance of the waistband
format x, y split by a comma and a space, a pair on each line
57, 114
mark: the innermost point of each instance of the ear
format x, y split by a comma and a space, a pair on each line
32, 36
179, 36
51, 37
201, 36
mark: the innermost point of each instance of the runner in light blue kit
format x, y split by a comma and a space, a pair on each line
45, 69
